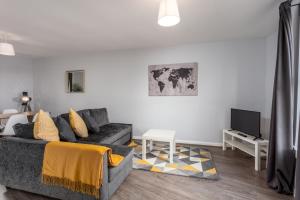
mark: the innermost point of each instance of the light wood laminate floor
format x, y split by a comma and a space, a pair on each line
238, 180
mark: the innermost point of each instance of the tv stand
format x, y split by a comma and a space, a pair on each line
241, 134
256, 147
257, 138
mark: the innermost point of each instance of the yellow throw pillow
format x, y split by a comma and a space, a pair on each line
44, 128
78, 124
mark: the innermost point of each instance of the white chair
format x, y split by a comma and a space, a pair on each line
35, 116
13, 120
9, 111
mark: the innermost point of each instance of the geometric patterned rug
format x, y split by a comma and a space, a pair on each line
189, 161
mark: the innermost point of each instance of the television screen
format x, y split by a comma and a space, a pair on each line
246, 121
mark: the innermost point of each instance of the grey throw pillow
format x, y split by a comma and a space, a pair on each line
24, 130
65, 131
90, 123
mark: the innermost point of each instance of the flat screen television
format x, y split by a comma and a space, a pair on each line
246, 122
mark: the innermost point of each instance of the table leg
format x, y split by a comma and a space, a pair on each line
174, 146
144, 148
257, 157
232, 139
267, 156
224, 139
171, 150
151, 145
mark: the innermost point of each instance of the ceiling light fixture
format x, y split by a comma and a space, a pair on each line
168, 13
6, 48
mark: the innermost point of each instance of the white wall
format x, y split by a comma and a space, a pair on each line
271, 53
231, 74
16, 76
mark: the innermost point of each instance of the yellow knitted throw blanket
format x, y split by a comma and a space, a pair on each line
78, 167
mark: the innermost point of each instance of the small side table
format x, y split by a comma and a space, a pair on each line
161, 136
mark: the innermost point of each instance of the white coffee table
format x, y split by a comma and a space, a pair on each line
161, 136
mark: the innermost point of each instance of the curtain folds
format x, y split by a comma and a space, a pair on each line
297, 188
296, 25
284, 120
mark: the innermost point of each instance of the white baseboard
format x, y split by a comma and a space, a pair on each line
213, 144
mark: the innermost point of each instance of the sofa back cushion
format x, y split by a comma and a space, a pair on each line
100, 115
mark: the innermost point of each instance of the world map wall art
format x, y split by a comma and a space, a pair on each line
173, 79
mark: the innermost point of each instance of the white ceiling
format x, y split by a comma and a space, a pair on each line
55, 27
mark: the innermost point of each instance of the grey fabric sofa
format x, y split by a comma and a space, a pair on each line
21, 163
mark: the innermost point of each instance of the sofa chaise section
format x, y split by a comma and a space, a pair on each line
113, 133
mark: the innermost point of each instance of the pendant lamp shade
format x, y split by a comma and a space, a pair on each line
168, 13
7, 49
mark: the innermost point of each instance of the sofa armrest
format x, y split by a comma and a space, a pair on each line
119, 149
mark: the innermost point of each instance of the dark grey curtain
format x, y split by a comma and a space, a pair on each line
281, 160
297, 190
296, 25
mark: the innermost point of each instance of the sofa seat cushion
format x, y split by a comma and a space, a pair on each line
91, 139
109, 133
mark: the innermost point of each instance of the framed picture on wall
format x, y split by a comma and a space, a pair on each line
173, 79
75, 81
